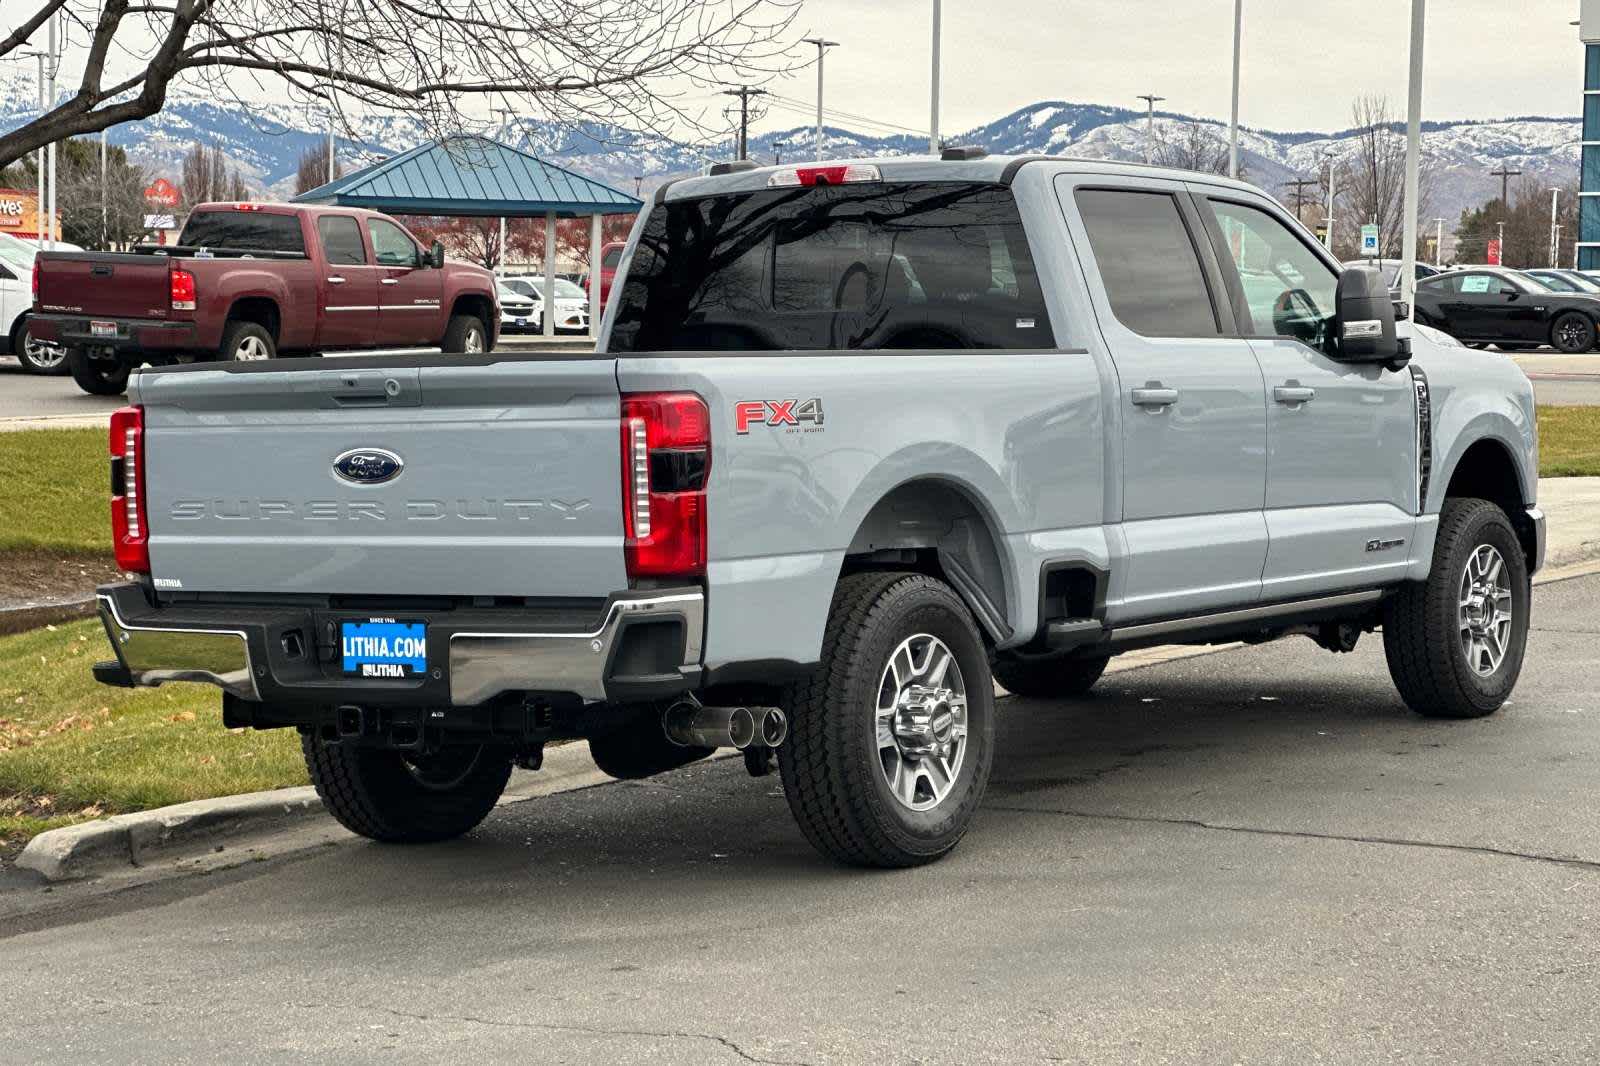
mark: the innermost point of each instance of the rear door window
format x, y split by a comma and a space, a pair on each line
341, 240
853, 267
244, 231
1148, 263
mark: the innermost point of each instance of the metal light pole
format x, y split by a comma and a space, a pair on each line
1438, 241
1500, 228
1555, 195
50, 151
1408, 253
933, 120
105, 228
38, 169
502, 112
1327, 231
1233, 123
1150, 125
822, 51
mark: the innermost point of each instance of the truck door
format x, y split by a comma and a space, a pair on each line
1341, 439
349, 285
1190, 400
408, 291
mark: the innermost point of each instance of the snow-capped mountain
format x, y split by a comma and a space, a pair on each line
265, 141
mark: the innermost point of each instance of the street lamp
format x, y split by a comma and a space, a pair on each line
1408, 251
1150, 125
1555, 195
502, 112
933, 121
822, 50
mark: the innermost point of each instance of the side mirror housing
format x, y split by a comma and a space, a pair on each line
1364, 322
436, 255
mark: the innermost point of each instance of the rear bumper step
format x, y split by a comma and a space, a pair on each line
641, 645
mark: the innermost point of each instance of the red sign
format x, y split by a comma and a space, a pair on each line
162, 193
1493, 255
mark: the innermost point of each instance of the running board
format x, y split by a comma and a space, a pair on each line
1241, 618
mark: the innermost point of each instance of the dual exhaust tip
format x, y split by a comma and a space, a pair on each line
691, 725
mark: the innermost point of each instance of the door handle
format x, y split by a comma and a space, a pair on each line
1293, 394
335, 280
1155, 396
391, 281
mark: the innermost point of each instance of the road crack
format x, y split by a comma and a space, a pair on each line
588, 1030
1588, 865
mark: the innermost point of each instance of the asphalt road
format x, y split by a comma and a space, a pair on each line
1253, 856
24, 395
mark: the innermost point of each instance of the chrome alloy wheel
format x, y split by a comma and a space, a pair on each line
1484, 610
42, 354
922, 722
473, 344
251, 349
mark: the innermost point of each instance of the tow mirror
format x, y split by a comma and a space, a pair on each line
1365, 321
436, 255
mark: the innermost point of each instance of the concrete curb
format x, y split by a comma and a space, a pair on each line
187, 830
34, 615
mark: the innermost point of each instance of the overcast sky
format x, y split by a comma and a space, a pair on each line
1303, 59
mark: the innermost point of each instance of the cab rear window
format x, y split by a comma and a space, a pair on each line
834, 267
244, 231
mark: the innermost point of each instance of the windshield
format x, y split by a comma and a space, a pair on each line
1538, 284
1578, 282
535, 287
17, 253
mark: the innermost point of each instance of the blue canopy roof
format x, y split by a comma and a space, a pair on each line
473, 176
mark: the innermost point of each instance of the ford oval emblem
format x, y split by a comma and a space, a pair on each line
368, 466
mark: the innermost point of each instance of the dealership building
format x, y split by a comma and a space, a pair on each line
1589, 181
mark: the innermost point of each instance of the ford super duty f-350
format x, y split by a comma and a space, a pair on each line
252, 281
858, 438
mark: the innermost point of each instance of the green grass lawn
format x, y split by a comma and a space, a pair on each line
72, 749
1569, 441
56, 493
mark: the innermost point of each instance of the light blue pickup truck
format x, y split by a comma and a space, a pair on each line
859, 440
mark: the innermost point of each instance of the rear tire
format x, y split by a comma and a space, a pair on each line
465, 335
859, 795
246, 342
1048, 677
1438, 661
98, 377
401, 798
1572, 333
38, 357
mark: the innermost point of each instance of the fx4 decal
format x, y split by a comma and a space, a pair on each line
789, 413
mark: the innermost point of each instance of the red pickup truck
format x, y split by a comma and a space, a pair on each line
253, 281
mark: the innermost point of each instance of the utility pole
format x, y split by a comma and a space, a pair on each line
1327, 232
1299, 193
1233, 123
777, 152
1411, 203
638, 186
1555, 195
50, 151
1505, 174
1150, 125
744, 93
823, 45
933, 120
502, 112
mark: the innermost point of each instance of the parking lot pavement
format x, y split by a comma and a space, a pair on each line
1252, 856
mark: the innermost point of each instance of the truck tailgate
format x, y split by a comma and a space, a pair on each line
431, 480
104, 284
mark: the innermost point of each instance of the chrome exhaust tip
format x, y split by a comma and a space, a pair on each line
689, 725
772, 726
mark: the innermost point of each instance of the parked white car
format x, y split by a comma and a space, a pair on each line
572, 303
16, 300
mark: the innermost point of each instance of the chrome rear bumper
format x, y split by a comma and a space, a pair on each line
645, 645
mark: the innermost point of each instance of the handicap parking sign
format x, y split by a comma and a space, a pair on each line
1369, 241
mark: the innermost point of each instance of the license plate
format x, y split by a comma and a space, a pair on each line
522, 322
102, 329
383, 647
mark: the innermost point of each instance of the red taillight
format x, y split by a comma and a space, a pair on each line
130, 528
35, 279
845, 173
666, 461
182, 290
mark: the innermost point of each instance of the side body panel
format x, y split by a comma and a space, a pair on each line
290, 284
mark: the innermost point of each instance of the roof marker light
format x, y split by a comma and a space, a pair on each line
824, 175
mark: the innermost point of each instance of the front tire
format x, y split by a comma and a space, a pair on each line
1455, 642
465, 335
1048, 677
406, 798
1572, 333
98, 377
892, 738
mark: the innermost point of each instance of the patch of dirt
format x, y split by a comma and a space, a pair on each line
36, 578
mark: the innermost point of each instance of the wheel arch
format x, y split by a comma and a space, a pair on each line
943, 527
259, 309
476, 304
1487, 469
